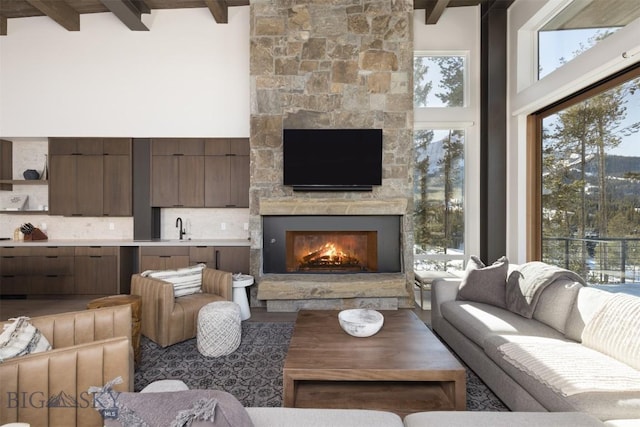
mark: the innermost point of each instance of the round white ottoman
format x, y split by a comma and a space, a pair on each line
219, 330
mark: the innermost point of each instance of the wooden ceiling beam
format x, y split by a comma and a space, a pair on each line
127, 12
434, 10
59, 11
219, 10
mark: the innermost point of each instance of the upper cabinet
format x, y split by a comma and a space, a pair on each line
177, 172
196, 172
90, 176
227, 173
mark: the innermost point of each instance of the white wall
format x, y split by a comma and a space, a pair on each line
526, 95
187, 76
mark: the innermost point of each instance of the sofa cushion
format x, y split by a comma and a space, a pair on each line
482, 283
308, 417
186, 281
615, 329
556, 302
479, 321
586, 304
20, 337
500, 419
567, 376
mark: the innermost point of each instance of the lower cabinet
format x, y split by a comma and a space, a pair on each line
96, 270
37, 271
63, 270
163, 257
227, 258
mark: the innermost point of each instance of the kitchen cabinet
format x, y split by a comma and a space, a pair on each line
96, 270
163, 257
36, 271
90, 176
65, 270
177, 172
227, 172
226, 258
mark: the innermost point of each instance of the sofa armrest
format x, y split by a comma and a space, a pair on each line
157, 304
442, 290
63, 376
217, 282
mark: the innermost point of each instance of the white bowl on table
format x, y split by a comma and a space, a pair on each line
361, 322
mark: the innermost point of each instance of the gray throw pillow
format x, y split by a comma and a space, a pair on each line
486, 284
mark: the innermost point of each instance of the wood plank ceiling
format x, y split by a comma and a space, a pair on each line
67, 12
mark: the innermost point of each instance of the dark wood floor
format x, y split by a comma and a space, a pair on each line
33, 307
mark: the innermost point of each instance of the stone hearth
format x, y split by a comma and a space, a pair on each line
336, 64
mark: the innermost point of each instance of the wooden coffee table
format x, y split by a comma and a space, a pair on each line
404, 368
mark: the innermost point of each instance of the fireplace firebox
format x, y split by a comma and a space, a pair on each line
331, 244
331, 251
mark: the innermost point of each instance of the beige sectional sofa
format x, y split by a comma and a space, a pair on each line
579, 351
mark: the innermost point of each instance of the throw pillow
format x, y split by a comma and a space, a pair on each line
486, 284
20, 337
186, 281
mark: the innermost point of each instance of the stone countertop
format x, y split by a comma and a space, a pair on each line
124, 242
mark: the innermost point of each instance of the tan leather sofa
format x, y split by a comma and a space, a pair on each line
167, 320
90, 348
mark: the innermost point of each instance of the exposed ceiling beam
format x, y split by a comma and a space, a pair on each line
3, 26
59, 11
127, 12
219, 10
434, 10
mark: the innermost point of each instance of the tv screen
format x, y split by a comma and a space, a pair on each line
332, 159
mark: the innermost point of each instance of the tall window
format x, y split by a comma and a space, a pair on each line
439, 173
589, 181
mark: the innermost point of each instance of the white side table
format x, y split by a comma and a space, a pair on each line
240, 282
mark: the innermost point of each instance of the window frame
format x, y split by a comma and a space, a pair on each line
534, 152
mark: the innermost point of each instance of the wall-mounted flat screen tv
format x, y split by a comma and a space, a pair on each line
332, 159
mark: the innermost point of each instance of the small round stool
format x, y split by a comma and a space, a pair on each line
136, 315
219, 329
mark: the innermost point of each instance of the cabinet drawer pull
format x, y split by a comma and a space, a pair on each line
8, 257
95, 256
217, 260
51, 256
229, 206
51, 275
165, 256
8, 275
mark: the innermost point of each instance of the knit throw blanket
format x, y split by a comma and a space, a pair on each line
615, 329
569, 368
525, 285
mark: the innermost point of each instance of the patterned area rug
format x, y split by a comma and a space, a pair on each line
253, 373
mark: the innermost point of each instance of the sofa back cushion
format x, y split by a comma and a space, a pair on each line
556, 302
615, 329
587, 302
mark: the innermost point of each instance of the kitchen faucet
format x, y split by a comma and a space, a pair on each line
179, 226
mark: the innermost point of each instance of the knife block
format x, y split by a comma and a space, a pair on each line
36, 234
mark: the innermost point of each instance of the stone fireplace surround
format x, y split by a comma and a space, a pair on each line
335, 64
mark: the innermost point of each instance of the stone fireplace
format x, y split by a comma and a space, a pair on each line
340, 64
